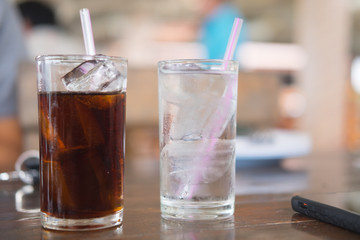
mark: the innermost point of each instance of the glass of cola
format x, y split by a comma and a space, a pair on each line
81, 102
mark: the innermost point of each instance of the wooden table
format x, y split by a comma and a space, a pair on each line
257, 216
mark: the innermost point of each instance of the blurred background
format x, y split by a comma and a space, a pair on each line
297, 80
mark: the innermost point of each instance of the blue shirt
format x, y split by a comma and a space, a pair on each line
216, 30
12, 51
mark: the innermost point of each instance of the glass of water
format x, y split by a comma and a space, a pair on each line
197, 124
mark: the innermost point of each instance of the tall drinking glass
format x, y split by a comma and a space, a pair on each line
197, 117
81, 102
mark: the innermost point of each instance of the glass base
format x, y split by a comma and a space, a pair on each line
180, 210
54, 223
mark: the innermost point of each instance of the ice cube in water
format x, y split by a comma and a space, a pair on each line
183, 67
193, 162
208, 98
93, 75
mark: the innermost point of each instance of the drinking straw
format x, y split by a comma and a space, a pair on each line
189, 190
233, 39
87, 31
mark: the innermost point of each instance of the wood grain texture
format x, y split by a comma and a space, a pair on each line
261, 216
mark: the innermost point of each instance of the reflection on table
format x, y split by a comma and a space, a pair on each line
262, 208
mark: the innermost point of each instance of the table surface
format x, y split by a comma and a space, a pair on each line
258, 215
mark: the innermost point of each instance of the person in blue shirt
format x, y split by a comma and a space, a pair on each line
12, 51
216, 27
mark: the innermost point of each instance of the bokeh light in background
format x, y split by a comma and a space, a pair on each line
355, 75
123, 23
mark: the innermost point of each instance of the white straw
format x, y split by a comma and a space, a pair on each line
233, 39
87, 31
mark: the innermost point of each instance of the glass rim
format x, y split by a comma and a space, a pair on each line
74, 57
174, 61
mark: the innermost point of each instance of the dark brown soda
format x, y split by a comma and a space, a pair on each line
81, 153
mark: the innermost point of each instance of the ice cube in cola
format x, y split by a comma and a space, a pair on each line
93, 75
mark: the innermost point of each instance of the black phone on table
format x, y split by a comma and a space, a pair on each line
341, 209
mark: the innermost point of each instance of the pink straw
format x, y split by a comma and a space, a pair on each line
233, 39
229, 54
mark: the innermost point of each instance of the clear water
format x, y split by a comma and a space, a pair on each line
197, 179
197, 144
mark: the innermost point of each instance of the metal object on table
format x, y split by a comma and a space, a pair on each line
26, 168
27, 171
